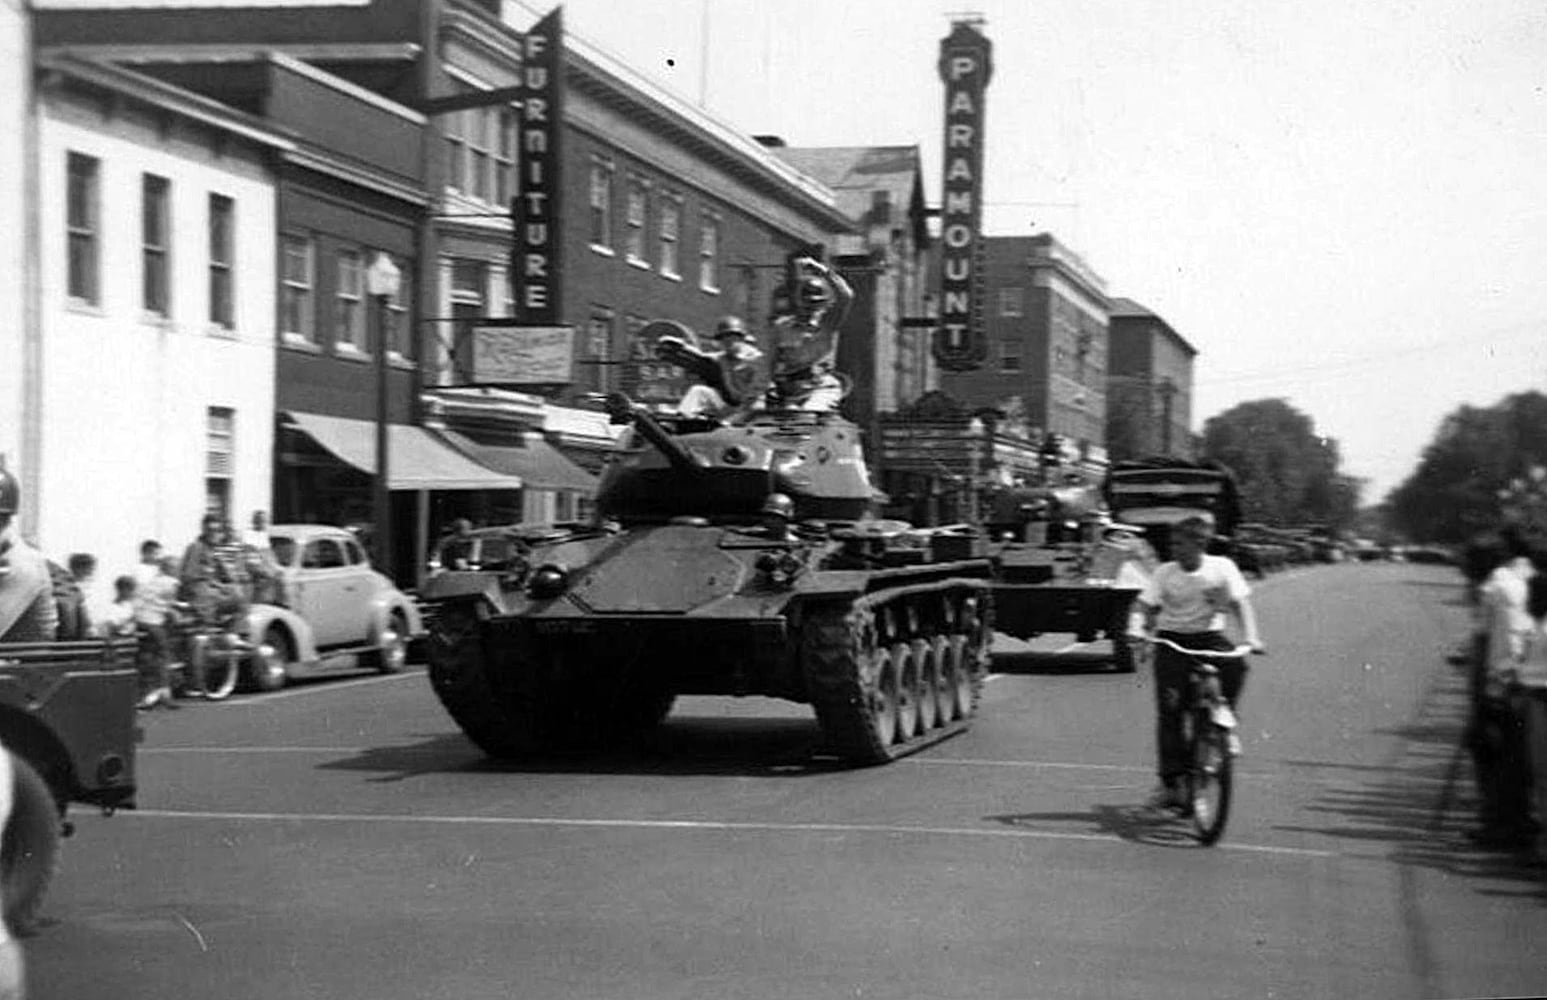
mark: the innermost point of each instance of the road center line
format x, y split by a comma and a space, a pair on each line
258, 700
684, 824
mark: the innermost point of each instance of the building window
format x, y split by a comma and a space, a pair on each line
601, 204
638, 212
83, 224
456, 148
349, 304
479, 154
599, 349
297, 269
219, 459
746, 293
469, 286
155, 240
1010, 355
709, 253
671, 225
505, 159
1012, 302
400, 327
222, 260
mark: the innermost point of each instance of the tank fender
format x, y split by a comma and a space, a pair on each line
262, 616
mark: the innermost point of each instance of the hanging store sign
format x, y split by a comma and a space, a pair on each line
965, 67
516, 356
535, 261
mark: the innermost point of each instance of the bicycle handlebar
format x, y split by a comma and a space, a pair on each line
1239, 652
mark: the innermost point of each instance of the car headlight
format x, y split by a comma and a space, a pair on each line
547, 581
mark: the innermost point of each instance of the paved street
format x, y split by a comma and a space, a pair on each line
342, 840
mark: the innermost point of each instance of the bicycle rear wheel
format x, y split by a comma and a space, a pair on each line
1210, 780
222, 665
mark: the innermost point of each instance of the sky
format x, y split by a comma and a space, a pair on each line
1343, 205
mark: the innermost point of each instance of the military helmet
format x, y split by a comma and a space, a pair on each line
729, 326
10, 492
778, 505
813, 293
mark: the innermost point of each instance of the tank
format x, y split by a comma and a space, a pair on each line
734, 555
696, 582
1062, 568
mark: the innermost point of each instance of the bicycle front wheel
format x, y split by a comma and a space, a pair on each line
1210, 780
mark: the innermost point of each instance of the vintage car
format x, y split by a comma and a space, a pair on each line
335, 614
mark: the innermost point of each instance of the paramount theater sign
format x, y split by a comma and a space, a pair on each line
965, 66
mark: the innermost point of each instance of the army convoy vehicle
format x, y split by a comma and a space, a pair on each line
730, 557
67, 719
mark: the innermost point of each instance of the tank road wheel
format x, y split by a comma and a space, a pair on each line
907, 692
928, 669
958, 656
29, 850
942, 689
501, 723
884, 698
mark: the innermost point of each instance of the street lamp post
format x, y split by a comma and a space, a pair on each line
382, 279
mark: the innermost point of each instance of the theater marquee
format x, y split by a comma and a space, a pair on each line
965, 66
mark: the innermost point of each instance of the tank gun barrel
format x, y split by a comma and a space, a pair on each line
623, 410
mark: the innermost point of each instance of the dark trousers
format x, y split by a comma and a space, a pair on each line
1172, 673
151, 658
1496, 738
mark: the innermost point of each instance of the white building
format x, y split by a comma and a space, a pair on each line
155, 387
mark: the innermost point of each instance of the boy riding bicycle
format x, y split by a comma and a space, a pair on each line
1186, 601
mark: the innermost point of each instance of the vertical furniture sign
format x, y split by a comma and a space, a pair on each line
536, 263
965, 66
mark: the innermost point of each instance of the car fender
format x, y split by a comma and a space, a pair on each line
385, 603
261, 616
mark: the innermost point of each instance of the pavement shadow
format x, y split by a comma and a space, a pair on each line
1080, 662
686, 745
1134, 823
1416, 807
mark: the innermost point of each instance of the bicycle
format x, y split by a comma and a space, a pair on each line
206, 656
1207, 722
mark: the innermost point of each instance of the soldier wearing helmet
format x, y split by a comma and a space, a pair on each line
807, 311
27, 609
729, 377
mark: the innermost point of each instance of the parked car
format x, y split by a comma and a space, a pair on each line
497, 546
336, 612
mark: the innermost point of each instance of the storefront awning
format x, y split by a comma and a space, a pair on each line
416, 460
536, 463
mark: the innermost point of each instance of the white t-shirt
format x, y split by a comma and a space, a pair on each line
1196, 601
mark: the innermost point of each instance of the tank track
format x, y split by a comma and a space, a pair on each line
898, 670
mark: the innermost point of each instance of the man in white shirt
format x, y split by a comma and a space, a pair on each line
1187, 601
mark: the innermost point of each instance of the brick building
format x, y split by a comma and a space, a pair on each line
1046, 324
1149, 385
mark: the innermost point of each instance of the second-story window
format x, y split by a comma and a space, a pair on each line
155, 245
222, 261
638, 209
505, 159
479, 155
456, 148
83, 223
671, 226
349, 307
1011, 301
400, 341
297, 277
709, 253
601, 204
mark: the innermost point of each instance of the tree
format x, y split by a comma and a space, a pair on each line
1469, 476
1287, 473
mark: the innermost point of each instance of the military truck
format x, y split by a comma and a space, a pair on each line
67, 718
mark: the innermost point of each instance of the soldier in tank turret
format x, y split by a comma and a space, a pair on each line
727, 379
808, 309
27, 609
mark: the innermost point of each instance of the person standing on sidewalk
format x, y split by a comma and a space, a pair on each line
1495, 733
